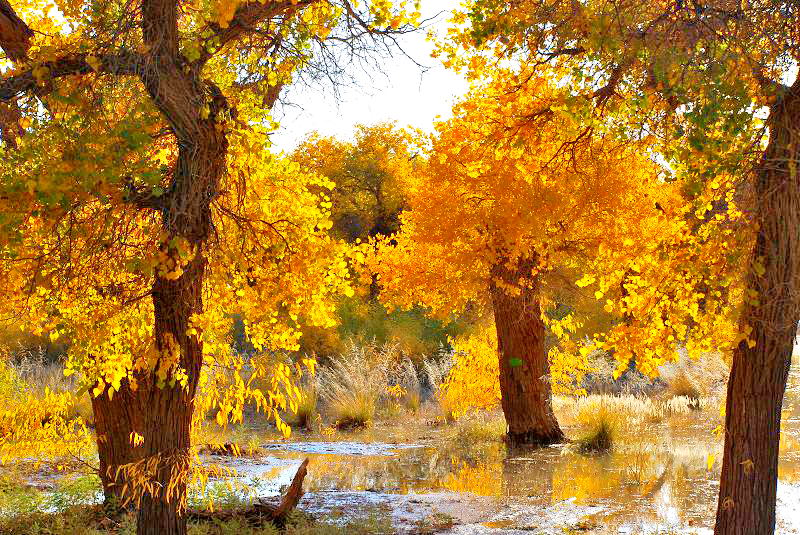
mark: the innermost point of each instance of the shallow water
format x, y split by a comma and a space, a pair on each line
663, 480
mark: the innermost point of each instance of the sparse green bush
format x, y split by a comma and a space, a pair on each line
74, 491
601, 379
366, 322
92, 520
17, 498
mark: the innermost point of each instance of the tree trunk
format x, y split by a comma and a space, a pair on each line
115, 421
758, 377
167, 411
525, 390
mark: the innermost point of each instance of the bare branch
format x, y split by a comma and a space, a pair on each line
248, 15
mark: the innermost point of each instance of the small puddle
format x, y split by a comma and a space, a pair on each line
341, 448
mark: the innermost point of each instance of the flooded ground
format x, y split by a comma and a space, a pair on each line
661, 478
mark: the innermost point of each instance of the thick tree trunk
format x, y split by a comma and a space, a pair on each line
115, 421
167, 409
524, 369
758, 377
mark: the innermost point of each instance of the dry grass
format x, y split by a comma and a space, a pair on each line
307, 412
404, 375
479, 428
365, 381
434, 372
38, 374
353, 383
704, 377
601, 422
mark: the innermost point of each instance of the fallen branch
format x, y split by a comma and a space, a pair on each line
262, 511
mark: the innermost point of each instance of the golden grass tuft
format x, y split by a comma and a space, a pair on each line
307, 411
601, 422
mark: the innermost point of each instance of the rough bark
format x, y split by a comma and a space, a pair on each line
758, 377
114, 421
15, 42
526, 394
14, 33
196, 111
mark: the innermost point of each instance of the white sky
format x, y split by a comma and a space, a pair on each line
402, 92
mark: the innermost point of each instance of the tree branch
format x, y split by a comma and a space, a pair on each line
14, 33
15, 41
247, 16
142, 198
118, 64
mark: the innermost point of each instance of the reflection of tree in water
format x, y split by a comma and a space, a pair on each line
475, 470
690, 491
650, 483
530, 473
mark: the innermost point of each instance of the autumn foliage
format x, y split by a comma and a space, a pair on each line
641, 155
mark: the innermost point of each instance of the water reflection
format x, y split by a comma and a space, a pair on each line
664, 476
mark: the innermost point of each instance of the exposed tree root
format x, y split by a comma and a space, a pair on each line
262, 511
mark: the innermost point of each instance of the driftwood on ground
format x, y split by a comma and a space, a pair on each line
261, 511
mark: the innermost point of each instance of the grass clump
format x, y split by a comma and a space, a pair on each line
480, 428
352, 410
601, 425
352, 384
366, 380
599, 438
307, 412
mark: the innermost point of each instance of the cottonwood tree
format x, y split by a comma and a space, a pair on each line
716, 81
368, 171
141, 210
506, 205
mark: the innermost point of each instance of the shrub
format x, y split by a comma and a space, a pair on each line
306, 407
602, 420
471, 383
696, 378
681, 385
367, 322
600, 380
352, 384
